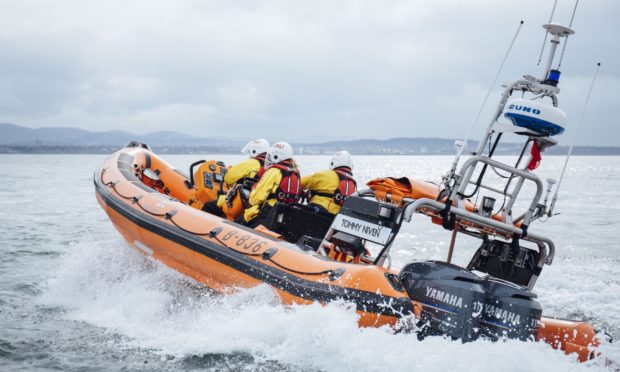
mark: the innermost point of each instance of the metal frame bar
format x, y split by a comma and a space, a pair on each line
469, 166
546, 247
465, 215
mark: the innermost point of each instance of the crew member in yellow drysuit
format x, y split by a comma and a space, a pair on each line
244, 174
328, 189
279, 183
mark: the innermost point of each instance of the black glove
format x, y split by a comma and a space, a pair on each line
230, 196
306, 195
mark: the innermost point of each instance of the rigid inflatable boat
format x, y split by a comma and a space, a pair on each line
223, 255
157, 210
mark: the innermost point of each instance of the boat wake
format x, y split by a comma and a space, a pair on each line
156, 309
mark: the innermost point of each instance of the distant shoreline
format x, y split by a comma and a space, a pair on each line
179, 150
15, 139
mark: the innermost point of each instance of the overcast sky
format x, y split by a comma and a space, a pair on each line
293, 69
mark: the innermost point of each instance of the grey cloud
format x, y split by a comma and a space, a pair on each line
289, 69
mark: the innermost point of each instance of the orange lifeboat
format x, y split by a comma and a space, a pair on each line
156, 209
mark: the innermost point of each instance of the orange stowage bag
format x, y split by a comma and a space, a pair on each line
403, 187
236, 207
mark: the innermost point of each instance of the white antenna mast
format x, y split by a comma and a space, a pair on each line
570, 149
542, 49
558, 31
572, 18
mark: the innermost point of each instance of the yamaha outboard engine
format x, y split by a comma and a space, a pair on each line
462, 305
452, 298
510, 308
509, 311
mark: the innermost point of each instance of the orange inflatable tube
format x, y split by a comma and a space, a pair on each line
224, 255
570, 336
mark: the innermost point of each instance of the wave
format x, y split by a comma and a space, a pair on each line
107, 284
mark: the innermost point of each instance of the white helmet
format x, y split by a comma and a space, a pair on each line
279, 152
341, 159
256, 147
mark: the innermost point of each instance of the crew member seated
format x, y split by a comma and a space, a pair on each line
327, 190
244, 174
280, 183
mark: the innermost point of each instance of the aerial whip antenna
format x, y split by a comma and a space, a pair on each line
570, 149
463, 145
542, 50
572, 18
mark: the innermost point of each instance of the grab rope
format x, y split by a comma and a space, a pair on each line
167, 216
112, 185
329, 272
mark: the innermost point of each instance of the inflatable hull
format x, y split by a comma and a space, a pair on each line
223, 255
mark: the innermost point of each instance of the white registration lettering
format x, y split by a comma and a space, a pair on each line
363, 229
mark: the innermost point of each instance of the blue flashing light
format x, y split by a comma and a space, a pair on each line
554, 75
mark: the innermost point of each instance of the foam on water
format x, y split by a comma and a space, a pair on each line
110, 285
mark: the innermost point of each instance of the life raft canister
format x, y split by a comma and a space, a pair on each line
289, 190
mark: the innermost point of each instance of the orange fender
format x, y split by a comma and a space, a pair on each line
570, 337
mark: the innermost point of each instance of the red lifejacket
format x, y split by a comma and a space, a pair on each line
261, 171
346, 186
289, 190
252, 182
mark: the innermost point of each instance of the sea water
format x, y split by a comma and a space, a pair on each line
74, 295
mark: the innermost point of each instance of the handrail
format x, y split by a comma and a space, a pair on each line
191, 171
471, 163
472, 217
462, 213
413, 206
496, 164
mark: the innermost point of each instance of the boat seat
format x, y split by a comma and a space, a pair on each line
293, 221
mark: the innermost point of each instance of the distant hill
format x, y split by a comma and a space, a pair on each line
15, 135
18, 139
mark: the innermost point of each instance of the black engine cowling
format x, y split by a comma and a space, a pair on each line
462, 305
509, 311
451, 298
